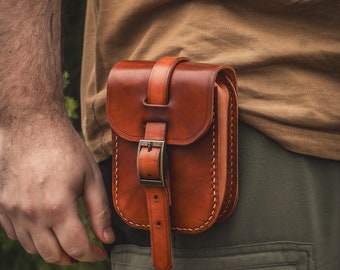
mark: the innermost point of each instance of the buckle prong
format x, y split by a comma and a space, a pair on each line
150, 145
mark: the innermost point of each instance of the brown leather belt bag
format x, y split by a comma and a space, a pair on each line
174, 142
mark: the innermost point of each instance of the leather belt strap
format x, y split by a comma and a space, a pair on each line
157, 195
152, 163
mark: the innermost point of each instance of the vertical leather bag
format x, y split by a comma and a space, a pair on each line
174, 138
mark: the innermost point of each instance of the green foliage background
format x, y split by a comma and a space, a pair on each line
12, 255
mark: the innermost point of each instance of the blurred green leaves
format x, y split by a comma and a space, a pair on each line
72, 105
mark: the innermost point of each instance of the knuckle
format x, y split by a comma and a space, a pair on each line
29, 212
49, 252
102, 217
52, 258
9, 207
54, 207
30, 250
77, 252
12, 208
28, 247
105, 213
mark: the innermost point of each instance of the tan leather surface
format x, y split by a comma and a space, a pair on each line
195, 168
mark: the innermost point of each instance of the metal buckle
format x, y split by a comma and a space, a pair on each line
162, 162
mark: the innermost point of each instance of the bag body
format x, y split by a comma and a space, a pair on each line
174, 139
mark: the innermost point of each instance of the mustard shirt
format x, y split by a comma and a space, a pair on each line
286, 54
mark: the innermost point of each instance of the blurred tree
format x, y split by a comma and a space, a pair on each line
12, 255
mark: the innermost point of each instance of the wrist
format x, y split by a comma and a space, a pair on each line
11, 120
28, 123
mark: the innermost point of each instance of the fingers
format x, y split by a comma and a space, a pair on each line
98, 209
63, 240
50, 250
65, 243
74, 240
17, 234
26, 242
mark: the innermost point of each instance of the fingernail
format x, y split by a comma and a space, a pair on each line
109, 235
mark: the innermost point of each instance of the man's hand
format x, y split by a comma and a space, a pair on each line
44, 168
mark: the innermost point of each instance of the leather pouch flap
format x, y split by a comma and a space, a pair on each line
188, 113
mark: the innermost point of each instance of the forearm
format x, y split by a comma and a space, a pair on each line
30, 60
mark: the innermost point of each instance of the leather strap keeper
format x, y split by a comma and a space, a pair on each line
174, 127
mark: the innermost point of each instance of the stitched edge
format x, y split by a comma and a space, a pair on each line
213, 164
231, 143
116, 191
173, 228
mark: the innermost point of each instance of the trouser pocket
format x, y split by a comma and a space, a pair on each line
264, 256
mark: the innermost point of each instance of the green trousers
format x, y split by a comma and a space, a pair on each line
288, 217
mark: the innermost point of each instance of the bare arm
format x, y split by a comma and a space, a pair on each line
44, 165
30, 60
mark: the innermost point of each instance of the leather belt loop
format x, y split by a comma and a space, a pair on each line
160, 78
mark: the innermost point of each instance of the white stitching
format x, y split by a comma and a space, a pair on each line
116, 191
231, 155
213, 158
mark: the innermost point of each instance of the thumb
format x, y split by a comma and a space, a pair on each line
98, 208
